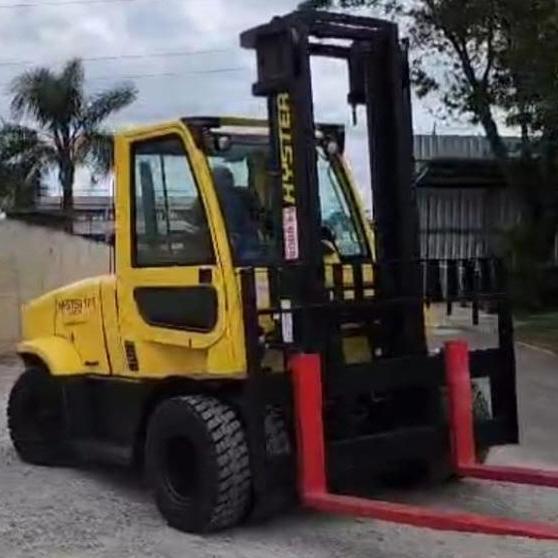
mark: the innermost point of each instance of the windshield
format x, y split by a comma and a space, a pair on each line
241, 182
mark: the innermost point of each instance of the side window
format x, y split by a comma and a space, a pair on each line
169, 221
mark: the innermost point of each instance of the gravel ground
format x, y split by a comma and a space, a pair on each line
95, 513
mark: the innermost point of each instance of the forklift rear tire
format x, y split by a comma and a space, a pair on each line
36, 419
196, 458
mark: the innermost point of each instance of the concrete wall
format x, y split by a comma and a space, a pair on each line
35, 260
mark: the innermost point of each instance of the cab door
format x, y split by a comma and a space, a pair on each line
172, 257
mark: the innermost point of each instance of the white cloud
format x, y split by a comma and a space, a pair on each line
46, 34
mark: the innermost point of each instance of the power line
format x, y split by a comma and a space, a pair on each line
132, 56
50, 3
62, 3
156, 75
169, 74
18, 5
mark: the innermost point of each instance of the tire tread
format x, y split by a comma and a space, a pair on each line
48, 451
227, 440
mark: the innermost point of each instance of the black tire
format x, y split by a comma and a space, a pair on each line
36, 419
282, 490
277, 440
481, 412
196, 459
442, 470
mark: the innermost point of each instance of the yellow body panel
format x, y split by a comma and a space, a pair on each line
94, 326
114, 346
59, 355
65, 329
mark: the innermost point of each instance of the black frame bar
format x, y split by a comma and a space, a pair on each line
448, 281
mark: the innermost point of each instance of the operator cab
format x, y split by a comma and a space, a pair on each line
204, 205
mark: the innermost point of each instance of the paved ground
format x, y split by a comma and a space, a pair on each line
97, 513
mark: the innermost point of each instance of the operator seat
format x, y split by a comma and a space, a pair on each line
240, 216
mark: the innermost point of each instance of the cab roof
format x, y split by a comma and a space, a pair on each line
254, 126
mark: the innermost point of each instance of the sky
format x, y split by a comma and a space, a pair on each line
183, 56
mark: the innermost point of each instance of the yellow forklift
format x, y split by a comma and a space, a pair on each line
239, 245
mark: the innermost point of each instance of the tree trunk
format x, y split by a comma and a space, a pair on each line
497, 144
66, 175
500, 153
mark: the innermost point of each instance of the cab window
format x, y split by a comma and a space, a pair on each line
338, 220
241, 183
169, 221
241, 179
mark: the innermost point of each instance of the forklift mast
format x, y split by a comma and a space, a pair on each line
390, 406
378, 80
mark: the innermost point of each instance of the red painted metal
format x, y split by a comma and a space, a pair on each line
309, 423
430, 518
461, 419
460, 404
513, 475
306, 373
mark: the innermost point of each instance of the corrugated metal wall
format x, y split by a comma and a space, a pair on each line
464, 222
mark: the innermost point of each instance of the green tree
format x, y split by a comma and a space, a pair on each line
19, 173
492, 62
65, 124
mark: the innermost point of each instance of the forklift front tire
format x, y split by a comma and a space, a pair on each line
36, 419
196, 458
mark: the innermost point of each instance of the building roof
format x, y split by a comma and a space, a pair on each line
460, 173
428, 147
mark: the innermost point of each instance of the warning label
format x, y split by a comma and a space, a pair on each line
290, 233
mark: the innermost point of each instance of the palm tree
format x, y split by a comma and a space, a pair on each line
65, 123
